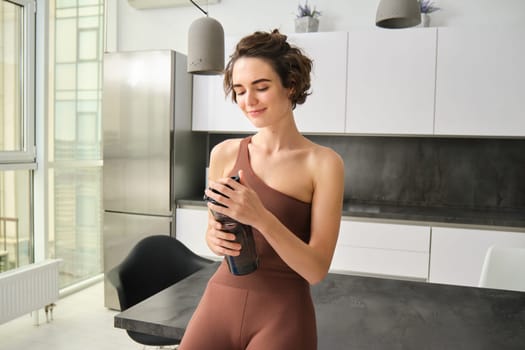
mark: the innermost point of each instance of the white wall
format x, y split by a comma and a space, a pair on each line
132, 29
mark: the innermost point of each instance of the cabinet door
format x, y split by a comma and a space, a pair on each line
457, 255
191, 225
382, 249
324, 109
479, 87
203, 101
391, 77
212, 110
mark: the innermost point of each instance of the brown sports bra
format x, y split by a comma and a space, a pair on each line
293, 213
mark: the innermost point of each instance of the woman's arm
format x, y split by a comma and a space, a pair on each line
310, 260
222, 159
313, 260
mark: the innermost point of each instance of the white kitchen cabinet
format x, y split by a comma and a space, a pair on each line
479, 87
457, 254
324, 109
203, 101
382, 249
391, 77
212, 110
191, 224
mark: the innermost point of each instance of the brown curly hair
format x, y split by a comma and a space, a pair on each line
291, 65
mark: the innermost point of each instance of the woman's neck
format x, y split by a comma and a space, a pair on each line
274, 139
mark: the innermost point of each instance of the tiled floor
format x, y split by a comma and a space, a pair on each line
81, 322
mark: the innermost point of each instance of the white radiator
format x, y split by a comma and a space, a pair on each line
28, 288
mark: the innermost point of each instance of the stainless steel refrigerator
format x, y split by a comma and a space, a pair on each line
151, 156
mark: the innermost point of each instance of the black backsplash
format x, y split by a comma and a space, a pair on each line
429, 171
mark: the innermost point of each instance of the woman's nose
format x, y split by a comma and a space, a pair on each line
251, 99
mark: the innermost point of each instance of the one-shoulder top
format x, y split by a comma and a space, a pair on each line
293, 213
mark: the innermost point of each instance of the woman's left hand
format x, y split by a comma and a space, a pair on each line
243, 203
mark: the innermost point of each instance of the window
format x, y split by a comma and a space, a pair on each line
75, 138
17, 150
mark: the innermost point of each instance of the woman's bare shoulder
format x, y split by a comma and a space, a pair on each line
226, 148
223, 156
325, 163
323, 155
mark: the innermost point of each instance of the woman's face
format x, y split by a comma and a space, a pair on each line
259, 92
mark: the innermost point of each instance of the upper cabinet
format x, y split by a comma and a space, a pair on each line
418, 81
324, 109
212, 110
479, 86
390, 87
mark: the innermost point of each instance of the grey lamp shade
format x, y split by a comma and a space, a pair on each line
206, 47
398, 13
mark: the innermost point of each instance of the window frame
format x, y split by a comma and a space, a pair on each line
25, 158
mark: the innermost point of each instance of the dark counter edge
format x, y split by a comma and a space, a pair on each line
504, 218
344, 317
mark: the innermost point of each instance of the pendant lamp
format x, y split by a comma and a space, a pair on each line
205, 46
398, 14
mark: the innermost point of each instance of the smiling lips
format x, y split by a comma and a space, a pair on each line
256, 112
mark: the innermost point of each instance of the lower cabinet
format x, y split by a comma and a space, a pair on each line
447, 255
458, 254
191, 224
382, 249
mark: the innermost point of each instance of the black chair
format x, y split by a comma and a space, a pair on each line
155, 263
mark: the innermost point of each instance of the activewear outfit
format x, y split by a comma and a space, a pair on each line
270, 308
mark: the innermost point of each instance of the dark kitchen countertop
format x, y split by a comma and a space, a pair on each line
364, 313
436, 215
445, 215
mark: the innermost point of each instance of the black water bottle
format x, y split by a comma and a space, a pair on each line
247, 261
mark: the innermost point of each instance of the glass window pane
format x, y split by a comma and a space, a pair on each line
90, 10
65, 3
66, 12
66, 47
16, 241
90, 95
89, 22
11, 58
74, 181
65, 78
88, 45
87, 128
88, 106
88, 76
88, 2
65, 95
78, 219
65, 123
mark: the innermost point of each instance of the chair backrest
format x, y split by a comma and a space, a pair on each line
504, 268
154, 263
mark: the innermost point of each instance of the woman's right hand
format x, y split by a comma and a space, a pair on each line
221, 243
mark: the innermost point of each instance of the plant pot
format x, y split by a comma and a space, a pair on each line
306, 24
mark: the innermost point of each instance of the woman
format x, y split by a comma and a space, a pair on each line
290, 193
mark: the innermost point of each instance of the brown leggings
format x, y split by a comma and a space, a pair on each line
230, 318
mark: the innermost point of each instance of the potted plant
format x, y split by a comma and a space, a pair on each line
307, 18
427, 7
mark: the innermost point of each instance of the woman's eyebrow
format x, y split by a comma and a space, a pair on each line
255, 82
263, 80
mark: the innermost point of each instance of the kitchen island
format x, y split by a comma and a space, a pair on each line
356, 313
